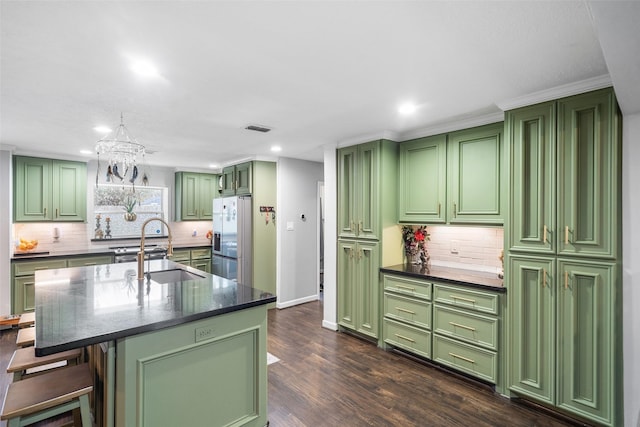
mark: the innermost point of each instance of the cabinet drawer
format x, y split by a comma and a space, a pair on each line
417, 312
30, 267
473, 360
181, 255
407, 286
486, 302
201, 253
92, 260
472, 328
407, 337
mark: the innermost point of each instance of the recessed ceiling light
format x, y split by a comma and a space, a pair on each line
276, 148
408, 108
144, 68
86, 151
102, 129
213, 165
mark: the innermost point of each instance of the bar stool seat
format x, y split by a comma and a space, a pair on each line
27, 319
26, 337
24, 362
44, 396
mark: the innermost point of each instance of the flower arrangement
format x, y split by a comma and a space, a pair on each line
415, 240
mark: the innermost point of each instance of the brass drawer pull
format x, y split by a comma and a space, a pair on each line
454, 297
405, 310
438, 209
458, 325
409, 288
544, 278
566, 280
457, 356
405, 338
544, 234
56, 212
566, 234
45, 211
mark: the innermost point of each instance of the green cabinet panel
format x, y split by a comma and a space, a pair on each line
467, 358
410, 338
358, 265
89, 260
347, 191
476, 181
588, 175
531, 135
49, 190
24, 292
237, 179
466, 326
423, 180
194, 196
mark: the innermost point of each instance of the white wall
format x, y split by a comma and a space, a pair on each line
330, 308
5, 231
297, 238
631, 268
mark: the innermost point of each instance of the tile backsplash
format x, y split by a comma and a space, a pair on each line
475, 248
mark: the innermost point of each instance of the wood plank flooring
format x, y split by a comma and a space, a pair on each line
327, 378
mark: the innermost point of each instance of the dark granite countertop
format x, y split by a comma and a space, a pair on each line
456, 276
106, 250
80, 306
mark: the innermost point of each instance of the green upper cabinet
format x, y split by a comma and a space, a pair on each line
588, 175
49, 190
194, 195
423, 180
237, 179
531, 135
476, 181
565, 177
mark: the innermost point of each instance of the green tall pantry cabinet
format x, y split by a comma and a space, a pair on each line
367, 203
564, 255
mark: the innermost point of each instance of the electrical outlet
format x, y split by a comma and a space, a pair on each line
204, 333
195, 233
454, 246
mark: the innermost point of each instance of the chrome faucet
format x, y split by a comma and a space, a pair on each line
140, 256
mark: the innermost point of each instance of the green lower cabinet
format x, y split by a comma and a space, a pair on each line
23, 279
564, 333
358, 285
407, 337
469, 359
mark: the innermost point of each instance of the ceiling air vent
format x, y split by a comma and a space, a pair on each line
258, 128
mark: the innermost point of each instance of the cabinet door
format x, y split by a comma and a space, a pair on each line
208, 185
190, 197
475, 175
587, 339
367, 281
202, 264
346, 191
423, 180
69, 191
588, 175
346, 283
367, 209
243, 178
229, 181
32, 194
532, 326
531, 134
24, 289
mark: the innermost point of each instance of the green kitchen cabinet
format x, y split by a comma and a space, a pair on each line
564, 167
358, 266
194, 195
49, 190
237, 179
564, 339
423, 180
201, 259
476, 167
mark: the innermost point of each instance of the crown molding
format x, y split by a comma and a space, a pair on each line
452, 125
391, 135
7, 147
557, 92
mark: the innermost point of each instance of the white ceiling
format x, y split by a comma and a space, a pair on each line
316, 72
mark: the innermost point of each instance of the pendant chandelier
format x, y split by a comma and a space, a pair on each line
122, 152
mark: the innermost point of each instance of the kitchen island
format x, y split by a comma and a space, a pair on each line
183, 348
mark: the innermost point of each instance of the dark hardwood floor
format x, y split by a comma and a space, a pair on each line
327, 378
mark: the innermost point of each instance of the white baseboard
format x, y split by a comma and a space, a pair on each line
330, 325
298, 301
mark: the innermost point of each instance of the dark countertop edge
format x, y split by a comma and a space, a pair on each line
391, 270
85, 252
149, 328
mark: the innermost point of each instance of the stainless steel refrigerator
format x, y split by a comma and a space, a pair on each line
231, 256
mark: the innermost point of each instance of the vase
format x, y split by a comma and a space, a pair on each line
413, 257
130, 216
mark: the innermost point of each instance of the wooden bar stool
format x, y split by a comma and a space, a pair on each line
26, 337
27, 319
44, 396
24, 363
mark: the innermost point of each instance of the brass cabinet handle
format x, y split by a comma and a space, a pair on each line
405, 338
405, 310
458, 325
454, 297
41, 268
56, 212
45, 211
454, 210
360, 254
352, 226
544, 234
566, 234
544, 278
409, 288
566, 280
360, 228
438, 209
457, 356
236, 185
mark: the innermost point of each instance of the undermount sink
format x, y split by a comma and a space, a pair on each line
175, 275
